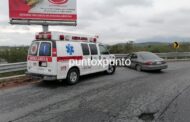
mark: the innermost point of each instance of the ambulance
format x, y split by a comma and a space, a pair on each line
51, 53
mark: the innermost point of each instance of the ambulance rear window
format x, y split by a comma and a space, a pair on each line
45, 49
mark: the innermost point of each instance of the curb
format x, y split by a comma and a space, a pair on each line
11, 77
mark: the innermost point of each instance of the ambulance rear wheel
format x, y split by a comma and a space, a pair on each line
73, 76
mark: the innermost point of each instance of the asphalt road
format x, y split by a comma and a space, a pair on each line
126, 96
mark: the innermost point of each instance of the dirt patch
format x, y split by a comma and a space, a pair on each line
14, 82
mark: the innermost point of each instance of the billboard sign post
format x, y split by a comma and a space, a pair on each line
43, 12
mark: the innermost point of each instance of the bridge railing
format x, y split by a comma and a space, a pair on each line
176, 55
12, 67
170, 55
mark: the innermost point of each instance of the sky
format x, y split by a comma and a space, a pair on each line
115, 21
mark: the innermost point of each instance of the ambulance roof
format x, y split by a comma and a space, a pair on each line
66, 36
69, 33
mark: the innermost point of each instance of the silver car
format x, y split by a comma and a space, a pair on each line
147, 61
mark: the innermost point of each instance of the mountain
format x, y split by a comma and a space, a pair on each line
151, 43
161, 39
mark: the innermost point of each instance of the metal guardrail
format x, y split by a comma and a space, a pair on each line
12, 67
174, 55
170, 55
5, 68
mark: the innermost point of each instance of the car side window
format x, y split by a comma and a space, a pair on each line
85, 49
134, 56
103, 50
93, 49
141, 57
129, 56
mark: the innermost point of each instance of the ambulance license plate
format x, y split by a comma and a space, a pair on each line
43, 64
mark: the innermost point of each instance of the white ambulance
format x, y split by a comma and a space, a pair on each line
51, 54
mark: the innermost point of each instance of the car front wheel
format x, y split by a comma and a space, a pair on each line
73, 76
111, 70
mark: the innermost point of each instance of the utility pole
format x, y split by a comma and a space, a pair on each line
45, 28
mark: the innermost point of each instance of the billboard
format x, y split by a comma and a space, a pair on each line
43, 10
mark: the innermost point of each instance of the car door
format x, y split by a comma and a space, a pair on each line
134, 60
40, 58
104, 57
94, 57
86, 68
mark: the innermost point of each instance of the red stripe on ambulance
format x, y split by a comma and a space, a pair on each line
49, 59
54, 52
40, 58
66, 58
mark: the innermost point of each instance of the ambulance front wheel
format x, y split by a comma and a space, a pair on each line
111, 69
73, 76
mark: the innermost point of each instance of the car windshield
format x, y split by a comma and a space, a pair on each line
148, 56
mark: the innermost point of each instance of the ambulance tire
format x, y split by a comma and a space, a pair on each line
73, 76
111, 70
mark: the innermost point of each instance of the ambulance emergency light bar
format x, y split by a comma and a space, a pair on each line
49, 36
